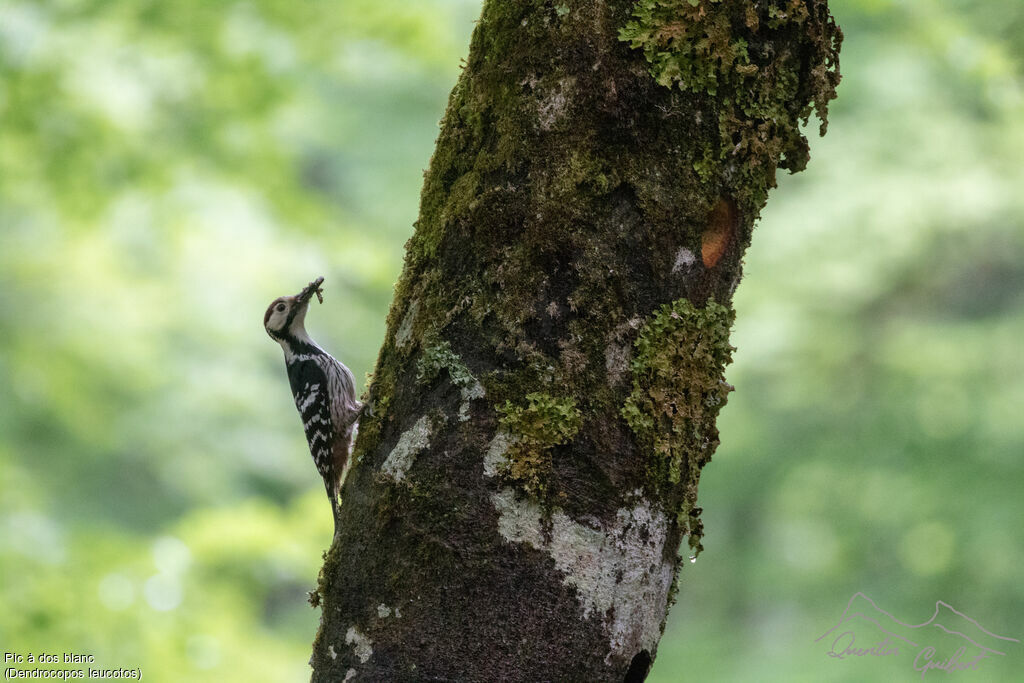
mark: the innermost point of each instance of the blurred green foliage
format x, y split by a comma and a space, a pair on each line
166, 169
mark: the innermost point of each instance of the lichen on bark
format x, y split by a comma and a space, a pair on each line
535, 428
728, 50
678, 389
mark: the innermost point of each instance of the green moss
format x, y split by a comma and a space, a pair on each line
582, 173
723, 50
687, 42
544, 422
678, 388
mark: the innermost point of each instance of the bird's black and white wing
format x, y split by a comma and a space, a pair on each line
342, 390
311, 389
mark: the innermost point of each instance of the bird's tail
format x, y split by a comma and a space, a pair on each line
333, 495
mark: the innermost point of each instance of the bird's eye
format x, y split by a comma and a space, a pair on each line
280, 308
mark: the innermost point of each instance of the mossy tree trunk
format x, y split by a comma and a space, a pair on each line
554, 362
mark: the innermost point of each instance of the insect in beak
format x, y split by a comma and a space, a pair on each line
307, 293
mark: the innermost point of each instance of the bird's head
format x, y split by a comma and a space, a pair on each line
286, 316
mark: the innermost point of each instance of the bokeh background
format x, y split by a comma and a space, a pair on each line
168, 168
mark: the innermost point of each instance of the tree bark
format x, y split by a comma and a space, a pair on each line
547, 391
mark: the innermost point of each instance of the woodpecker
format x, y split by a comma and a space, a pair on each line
323, 388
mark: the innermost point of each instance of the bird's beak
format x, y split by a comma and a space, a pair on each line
303, 297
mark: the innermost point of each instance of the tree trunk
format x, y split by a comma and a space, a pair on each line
547, 391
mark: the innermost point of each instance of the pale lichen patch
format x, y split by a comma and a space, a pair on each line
619, 572
552, 107
684, 259
616, 362
360, 644
519, 521
470, 393
412, 441
349, 675
331, 652
496, 458
619, 351
383, 611
404, 333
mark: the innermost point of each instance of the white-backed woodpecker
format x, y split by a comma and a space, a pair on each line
324, 389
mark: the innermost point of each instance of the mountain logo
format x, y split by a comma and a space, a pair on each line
949, 641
